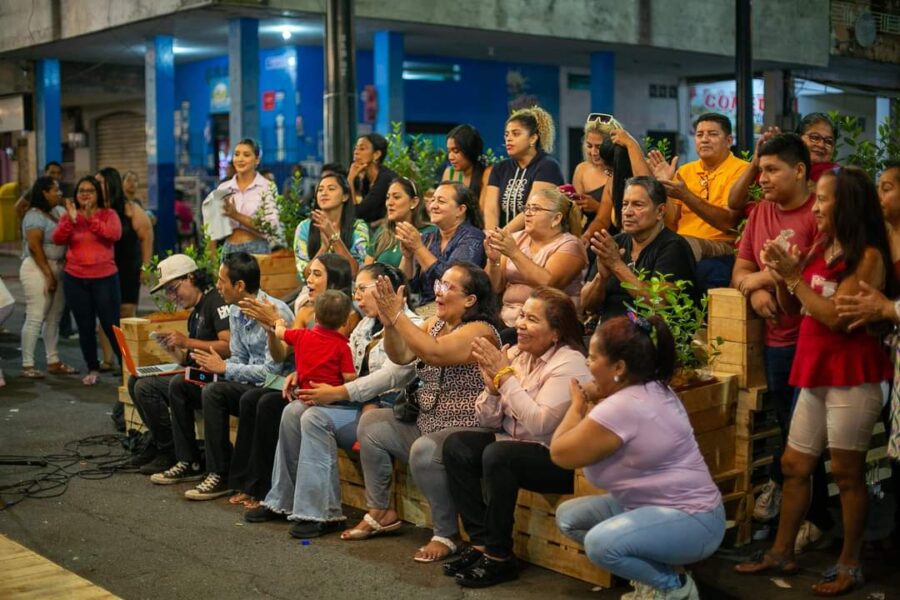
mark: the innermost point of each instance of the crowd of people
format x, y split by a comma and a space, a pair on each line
444, 328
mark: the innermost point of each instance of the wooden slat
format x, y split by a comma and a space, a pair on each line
29, 575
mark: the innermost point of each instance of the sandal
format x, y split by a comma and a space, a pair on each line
32, 373
91, 378
251, 503
60, 368
769, 562
376, 529
239, 498
854, 580
450, 544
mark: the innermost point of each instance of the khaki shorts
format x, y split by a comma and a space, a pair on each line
844, 417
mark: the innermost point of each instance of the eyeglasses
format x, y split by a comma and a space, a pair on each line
442, 287
360, 289
172, 288
815, 138
533, 208
603, 118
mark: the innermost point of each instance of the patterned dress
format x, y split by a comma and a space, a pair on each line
447, 395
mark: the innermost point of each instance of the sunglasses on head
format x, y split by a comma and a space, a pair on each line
603, 118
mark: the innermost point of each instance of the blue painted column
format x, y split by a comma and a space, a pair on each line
603, 82
243, 75
49, 113
388, 57
159, 79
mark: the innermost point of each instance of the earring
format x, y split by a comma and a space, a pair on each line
616, 378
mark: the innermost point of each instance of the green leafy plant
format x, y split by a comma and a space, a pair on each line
413, 157
490, 158
850, 149
269, 202
293, 207
672, 301
661, 144
207, 259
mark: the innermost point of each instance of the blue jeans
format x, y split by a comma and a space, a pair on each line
713, 272
305, 483
257, 246
641, 544
778, 361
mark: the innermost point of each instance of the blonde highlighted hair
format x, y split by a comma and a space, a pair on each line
601, 129
571, 214
537, 121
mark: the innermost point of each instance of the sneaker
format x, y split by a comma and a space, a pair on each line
768, 504
261, 514
212, 487
180, 473
809, 537
145, 456
304, 530
487, 572
468, 556
163, 461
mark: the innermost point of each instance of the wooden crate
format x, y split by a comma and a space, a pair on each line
144, 350
729, 303
278, 273
737, 330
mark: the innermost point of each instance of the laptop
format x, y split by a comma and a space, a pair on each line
148, 371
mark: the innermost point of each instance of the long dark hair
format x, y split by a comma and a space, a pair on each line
465, 197
631, 340
387, 233
113, 183
379, 144
101, 197
562, 316
338, 272
37, 199
348, 216
470, 145
859, 222
478, 284
622, 172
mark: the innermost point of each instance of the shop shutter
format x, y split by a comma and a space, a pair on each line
121, 144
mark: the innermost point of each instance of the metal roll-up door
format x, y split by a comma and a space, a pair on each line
121, 144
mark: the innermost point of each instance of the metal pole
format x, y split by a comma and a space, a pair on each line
340, 82
743, 57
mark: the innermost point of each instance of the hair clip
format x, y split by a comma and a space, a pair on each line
644, 325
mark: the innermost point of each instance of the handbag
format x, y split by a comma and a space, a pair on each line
406, 406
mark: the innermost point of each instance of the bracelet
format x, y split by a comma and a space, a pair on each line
792, 286
501, 373
397, 316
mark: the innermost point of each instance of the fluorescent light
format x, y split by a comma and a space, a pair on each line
286, 34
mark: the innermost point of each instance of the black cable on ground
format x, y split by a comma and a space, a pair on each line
94, 457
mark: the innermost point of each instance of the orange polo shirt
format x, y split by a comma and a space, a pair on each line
713, 188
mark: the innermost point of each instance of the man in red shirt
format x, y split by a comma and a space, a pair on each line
785, 214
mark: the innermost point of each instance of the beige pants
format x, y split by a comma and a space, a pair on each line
42, 310
844, 417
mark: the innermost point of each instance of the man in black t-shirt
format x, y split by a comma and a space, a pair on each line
190, 287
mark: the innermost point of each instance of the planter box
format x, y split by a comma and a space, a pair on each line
278, 273
743, 333
145, 350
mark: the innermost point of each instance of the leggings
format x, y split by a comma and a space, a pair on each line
93, 299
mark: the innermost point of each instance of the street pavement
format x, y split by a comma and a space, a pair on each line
139, 540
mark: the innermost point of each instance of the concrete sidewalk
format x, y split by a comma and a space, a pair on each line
143, 541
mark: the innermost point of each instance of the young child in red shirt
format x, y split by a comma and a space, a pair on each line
322, 354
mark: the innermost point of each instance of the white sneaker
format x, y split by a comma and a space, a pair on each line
768, 503
686, 592
809, 537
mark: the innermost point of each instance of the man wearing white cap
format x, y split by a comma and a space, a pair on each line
190, 287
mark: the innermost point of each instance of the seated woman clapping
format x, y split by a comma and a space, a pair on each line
662, 509
450, 382
525, 397
645, 244
547, 252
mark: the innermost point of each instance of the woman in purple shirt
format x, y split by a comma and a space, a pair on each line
662, 509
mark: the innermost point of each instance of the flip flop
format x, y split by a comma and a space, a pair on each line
451, 545
830, 575
779, 565
377, 528
60, 368
239, 498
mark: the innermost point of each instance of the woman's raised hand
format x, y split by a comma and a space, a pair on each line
390, 303
488, 356
323, 223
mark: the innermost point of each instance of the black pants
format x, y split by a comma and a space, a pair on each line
184, 399
254, 449
151, 400
505, 467
93, 299
221, 400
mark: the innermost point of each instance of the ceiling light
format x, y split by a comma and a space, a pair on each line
286, 34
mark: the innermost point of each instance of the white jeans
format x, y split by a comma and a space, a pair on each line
42, 310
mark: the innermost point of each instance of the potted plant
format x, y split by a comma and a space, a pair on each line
206, 258
417, 160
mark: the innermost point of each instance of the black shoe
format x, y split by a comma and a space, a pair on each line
487, 572
261, 514
163, 462
309, 529
468, 556
145, 456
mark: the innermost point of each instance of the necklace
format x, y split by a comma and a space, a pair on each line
834, 250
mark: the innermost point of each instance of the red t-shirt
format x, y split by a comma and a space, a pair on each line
835, 358
766, 222
90, 253
320, 355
